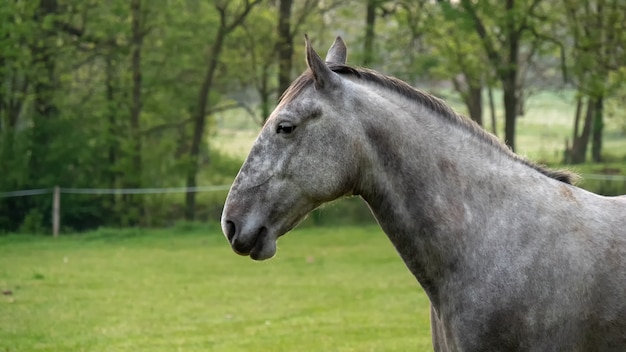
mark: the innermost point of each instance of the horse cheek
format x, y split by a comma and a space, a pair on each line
332, 174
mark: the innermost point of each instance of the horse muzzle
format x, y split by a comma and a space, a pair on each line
255, 242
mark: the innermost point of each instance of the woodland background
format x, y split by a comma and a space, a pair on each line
132, 94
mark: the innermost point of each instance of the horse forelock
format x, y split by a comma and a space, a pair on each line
296, 87
434, 104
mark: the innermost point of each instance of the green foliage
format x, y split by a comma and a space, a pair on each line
67, 78
32, 222
66, 117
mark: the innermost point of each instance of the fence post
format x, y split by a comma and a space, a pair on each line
56, 209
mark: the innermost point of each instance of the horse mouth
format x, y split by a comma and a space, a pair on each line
253, 247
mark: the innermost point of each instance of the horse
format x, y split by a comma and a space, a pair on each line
512, 255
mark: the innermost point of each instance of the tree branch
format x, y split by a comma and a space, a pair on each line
242, 15
80, 34
492, 53
178, 124
556, 42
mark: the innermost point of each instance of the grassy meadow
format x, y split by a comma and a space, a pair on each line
183, 289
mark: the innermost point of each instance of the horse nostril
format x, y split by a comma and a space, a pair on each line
230, 230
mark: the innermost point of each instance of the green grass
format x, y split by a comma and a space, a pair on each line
340, 289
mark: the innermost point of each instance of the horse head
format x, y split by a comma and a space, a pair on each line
305, 155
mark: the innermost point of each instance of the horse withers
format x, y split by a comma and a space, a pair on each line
512, 256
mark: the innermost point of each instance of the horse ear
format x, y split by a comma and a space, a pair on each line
322, 75
338, 53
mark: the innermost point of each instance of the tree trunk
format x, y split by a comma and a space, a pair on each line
136, 102
472, 97
45, 110
577, 112
265, 93
370, 23
492, 109
199, 123
199, 116
111, 134
133, 178
569, 150
510, 113
579, 146
474, 104
598, 126
11, 100
284, 45
111, 131
508, 76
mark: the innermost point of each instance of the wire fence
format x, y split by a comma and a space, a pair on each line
114, 191
57, 191
616, 178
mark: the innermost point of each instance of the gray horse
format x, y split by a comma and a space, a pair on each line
513, 257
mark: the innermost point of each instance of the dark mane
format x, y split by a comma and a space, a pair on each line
434, 104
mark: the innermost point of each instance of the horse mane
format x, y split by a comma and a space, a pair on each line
429, 101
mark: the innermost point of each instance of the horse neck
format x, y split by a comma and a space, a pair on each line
431, 185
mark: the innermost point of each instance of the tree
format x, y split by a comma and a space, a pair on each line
45, 109
133, 178
18, 28
459, 58
227, 23
502, 32
594, 64
287, 28
284, 44
258, 62
373, 10
270, 67
370, 24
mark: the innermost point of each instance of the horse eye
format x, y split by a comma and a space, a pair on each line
285, 127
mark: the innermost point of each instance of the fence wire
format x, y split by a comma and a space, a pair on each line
114, 191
